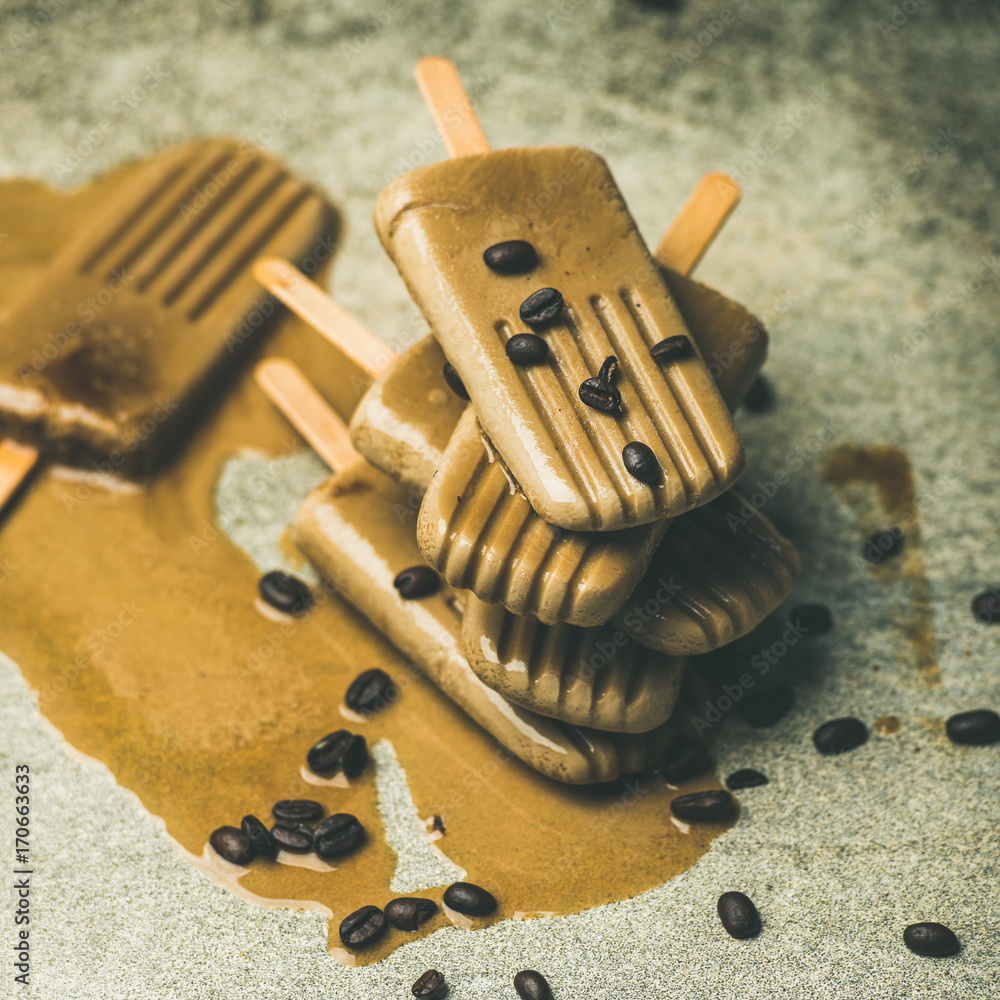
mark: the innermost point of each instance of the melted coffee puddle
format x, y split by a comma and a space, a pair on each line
134, 617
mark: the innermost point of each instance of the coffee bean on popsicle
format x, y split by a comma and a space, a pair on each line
371, 691
931, 939
470, 899
640, 462
760, 397
986, 606
339, 750
541, 308
840, 735
686, 762
511, 257
407, 913
738, 915
259, 837
526, 349
531, 985
703, 807
430, 986
979, 727
767, 706
601, 396
416, 582
297, 811
455, 383
285, 592
672, 349
296, 838
363, 927
338, 834
230, 843
745, 777
813, 619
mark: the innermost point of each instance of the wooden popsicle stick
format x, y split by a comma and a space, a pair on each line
309, 302
698, 223
307, 411
16, 462
450, 106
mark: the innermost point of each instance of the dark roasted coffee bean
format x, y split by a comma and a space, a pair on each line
813, 619
541, 308
296, 838
430, 986
976, 728
409, 912
472, 900
760, 397
738, 915
531, 985
526, 349
672, 349
767, 706
455, 383
259, 837
608, 369
363, 927
931, 939
601, 396
986, 606
511, 257
840, 735
230, 843
339, 751
371, 691
338, 834
884, 544
297, 811
284, 592
416, 582
686, 762
703, 807
640, 462
745, 777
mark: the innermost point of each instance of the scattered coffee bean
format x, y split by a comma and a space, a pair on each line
230, 843
259, 837
526, 349
601, 396
745, 777
511, 257
297, 811
976, 728
472, 900
455, 383
416, 582
760, 397
284, 592
430, 986
531, 985
738, 915
296, 838
371, 691
338, 834
767, 706
986, 606
363, 927
339, 751
884, 544
640, 462
931, 939
686, 762
608, 369
672, 349
703, 807
840, 735
541, 308
813, 619
407, 913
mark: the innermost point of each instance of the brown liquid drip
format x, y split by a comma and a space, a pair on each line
888, 469
134, 617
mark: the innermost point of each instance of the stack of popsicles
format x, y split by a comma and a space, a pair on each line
579, 508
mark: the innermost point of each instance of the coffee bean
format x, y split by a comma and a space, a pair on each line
884, 544
284, 592
760, 397
371, 691
526, 349
472, 900
745, 777
703, 807
672, 349
430, 986
840, 735
608, 368
931, 939
813, 619
541, 308
409, 912
767, 706
416, 582
738, 915
231, 844
511, 257
259, 837
531, 985
455, 383
601, 396
338, 834
686, 762
986, 606
296, 838
297, 811
640, 462
339, 751
976, 728
363, 927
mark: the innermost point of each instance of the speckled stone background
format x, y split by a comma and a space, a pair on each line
864, 133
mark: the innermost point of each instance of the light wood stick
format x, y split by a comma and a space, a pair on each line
307, 411
698, 223
450, 106
16, 461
